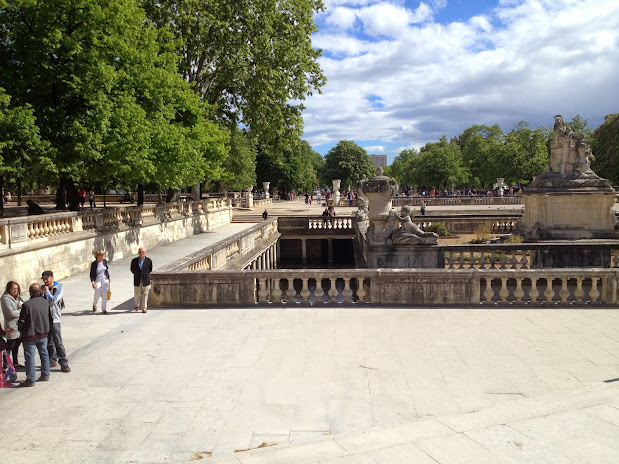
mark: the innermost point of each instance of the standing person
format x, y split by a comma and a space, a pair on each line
423, 208
318, 198
91, 199
11, 305
100, 280
54, 293
141, 267
34, 327
82, 194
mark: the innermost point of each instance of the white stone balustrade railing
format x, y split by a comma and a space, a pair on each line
20, 232
398, 287
324, 222
457, 200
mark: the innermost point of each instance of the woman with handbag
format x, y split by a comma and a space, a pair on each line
11, 306
100, 280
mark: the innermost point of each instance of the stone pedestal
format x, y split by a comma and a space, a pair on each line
568, 215
265, 187
500, 182
402, 256
249, 199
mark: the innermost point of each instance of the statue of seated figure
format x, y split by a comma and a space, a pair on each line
409, 233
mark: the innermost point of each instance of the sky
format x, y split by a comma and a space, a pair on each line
401, 73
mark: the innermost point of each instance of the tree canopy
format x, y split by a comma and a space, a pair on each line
438, 164
605, 148
348, 162
252, 59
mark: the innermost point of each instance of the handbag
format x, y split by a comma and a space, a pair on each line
109, 295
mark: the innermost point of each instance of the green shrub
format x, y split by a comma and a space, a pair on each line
440, 228
482, 234
514, 238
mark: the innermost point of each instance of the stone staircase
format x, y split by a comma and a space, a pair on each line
573, 426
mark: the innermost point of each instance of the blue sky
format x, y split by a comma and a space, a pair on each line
404, 73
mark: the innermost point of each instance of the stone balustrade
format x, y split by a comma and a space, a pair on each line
22, 232
322, 223
457, 200
397, 287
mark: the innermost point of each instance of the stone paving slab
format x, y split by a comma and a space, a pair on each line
179, 385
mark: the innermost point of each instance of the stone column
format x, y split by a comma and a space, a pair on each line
336, 191
275, 255
499, 182
265, 187
303, 249
249, 199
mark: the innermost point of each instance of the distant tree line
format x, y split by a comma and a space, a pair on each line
481, 154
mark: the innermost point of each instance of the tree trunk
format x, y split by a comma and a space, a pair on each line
140, 194
19, 192
159, 197
172, 195
2, 199
67, 194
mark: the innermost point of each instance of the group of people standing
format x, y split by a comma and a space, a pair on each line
35, 324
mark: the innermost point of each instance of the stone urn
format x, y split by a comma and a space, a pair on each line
265, 187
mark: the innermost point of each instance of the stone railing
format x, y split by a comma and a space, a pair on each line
468, 224
531, 255
22, 232
458, 200
317, 225
397, 287
234, 252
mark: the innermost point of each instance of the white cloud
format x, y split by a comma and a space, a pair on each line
526, 60
373, 148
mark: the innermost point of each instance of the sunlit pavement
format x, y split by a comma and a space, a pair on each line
326, 384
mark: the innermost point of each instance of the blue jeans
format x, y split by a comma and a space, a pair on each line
55, 346
29, 347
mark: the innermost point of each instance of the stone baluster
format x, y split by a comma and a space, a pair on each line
482, 260
564, 293
549, 293
615, 260
319, 292
276, 291
594, 293
37, 229
305, 292
524, 262
291, 292
361, 290
514, 260
492, 260
461, 261
30, 230
347, 292
519, 292
503, 293
534, 292
263, 293
451, 261
488, 292
579, 293
333, 291
503, 261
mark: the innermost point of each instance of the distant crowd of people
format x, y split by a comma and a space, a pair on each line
35, 324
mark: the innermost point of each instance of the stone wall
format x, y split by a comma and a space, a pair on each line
70, 251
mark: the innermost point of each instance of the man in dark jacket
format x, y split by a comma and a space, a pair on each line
33, 325
141, 267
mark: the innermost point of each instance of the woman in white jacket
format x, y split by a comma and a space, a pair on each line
100, 280
11, 306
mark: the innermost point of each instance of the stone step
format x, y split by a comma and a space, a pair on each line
565, 427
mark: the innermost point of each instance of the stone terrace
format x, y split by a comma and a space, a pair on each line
328, 385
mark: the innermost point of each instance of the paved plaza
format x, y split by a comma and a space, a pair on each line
329, 384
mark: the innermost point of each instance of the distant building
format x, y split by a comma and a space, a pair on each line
379, 161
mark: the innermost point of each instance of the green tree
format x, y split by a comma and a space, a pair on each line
439, 164
525, 154
292, 167
253, 59
605, 148
240, 165
397, 169
106, 93
481, 148
348, 162
21, 149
